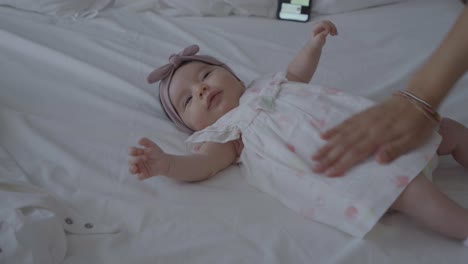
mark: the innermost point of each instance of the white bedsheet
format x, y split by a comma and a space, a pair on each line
73, 98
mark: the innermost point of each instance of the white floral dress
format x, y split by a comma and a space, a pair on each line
280, 123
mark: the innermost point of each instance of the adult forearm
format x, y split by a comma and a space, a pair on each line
433, 81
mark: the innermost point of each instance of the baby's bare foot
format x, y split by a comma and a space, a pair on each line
454, 141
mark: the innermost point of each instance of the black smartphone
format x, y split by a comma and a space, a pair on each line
294, 10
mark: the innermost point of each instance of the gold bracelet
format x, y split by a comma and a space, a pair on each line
427, 108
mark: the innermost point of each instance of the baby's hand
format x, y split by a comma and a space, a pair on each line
148, 161
321, 31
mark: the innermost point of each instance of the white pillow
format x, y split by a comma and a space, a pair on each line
263, 8
63, 8
340, 6
194, 8
267, 8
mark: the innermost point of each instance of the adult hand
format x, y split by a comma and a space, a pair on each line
394, 127
389, 129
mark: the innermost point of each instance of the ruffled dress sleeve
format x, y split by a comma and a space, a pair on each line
226, 129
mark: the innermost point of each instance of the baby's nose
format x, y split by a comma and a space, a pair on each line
202, 90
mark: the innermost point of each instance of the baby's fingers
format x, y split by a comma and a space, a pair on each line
137, 160
138, 167
319, 30
133, 169
145, 142
325, 26
333, 30
137, 164
133, 151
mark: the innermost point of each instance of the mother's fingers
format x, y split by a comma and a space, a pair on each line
391, 128
348, 160
342, 135
345, 152
346, 126
360, 135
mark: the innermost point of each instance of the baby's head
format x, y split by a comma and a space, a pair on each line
196, 90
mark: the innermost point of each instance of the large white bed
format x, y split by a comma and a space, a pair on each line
74, 97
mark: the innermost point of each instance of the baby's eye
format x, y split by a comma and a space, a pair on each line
187, 101
206, 75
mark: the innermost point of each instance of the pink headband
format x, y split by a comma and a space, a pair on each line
164, 75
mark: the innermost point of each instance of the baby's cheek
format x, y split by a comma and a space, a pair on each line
226, 107
201, 121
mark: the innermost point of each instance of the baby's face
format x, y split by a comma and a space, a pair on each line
202, 93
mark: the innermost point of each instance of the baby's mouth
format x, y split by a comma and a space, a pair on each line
213, 99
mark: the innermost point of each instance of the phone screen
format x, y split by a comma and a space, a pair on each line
295, 10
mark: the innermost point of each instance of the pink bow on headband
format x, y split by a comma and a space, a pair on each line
174, 62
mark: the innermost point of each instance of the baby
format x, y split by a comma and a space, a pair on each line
274, 127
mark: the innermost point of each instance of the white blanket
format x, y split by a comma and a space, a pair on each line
73, 98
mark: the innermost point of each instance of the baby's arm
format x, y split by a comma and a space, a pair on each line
303, 66
152, 161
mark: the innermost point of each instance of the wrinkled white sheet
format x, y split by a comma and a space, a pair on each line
60, 8
73, 98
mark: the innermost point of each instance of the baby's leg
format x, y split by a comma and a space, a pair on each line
424, 203
454, 141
